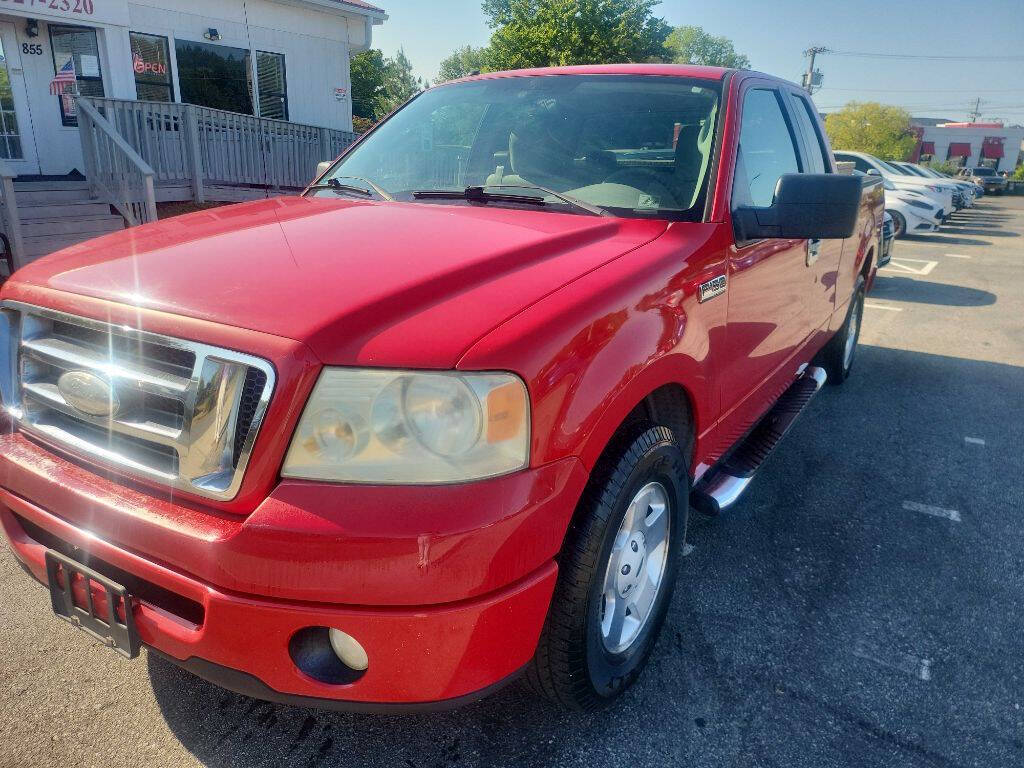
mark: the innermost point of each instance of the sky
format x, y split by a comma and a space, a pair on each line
774, 34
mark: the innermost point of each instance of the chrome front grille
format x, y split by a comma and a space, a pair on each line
173, 411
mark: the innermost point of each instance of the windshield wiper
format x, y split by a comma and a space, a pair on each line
482, 194
337, 186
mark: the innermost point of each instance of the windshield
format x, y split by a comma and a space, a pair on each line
636, 146
914, 170
984, 172
893, 168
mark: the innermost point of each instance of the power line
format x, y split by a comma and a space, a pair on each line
924, 90
868, 55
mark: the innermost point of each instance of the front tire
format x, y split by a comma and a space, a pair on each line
899, 225
617, 571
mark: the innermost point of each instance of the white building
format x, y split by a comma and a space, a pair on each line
971, 144
285, 59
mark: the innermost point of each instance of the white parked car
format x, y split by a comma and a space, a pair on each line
968, 190
942, 191
910, 211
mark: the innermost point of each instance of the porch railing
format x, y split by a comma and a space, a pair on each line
11, 220
196, 146
114, 169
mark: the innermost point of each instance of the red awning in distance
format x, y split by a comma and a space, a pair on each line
992, 147
959, 149
927, 147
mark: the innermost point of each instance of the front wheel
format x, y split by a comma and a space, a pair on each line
899, 224
617, 571
837, 356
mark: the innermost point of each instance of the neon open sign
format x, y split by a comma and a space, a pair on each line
143, 67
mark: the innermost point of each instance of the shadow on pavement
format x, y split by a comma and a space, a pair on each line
922, 292
994, 231
940, 237
762, 659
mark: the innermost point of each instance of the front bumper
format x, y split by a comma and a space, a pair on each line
428, 640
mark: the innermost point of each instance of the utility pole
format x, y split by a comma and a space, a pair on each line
813, 78
977, 110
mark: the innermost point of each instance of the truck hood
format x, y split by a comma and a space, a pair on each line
360, 282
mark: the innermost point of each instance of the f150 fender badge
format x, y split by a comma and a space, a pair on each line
713, 287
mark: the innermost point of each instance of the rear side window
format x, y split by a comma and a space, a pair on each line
817, 161
766, 150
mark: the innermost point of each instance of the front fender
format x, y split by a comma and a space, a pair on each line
591, 351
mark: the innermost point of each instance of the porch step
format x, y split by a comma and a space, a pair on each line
46, 244
34, 196
56, 214
34, 186
58, 210
90, 225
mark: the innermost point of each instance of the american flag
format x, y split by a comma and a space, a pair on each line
65, 77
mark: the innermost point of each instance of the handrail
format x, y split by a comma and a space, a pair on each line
12, 221
188, 145
114, 168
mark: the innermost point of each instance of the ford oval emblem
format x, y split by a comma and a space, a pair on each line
88, 393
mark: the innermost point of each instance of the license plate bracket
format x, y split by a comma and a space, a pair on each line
122, 636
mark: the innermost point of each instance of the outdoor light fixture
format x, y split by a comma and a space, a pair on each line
212, 34
32, 28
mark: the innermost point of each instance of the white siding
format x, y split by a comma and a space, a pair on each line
315, 45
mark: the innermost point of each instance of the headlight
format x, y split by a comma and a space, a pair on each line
397, 427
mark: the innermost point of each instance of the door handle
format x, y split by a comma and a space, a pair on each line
813, 249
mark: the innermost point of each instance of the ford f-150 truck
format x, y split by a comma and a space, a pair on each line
439, 420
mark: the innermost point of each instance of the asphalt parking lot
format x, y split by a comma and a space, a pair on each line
862, 606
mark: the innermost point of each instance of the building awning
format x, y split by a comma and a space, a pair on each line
992, 147
927, 147
959, 149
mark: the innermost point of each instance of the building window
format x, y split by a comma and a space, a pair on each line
273, 85
78, 44
214, 76
10, 137
151, 62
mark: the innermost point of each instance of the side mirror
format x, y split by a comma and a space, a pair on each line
321, 168
808, 206
873, 172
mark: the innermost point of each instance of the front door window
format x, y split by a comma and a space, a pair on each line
10, 137
80, 45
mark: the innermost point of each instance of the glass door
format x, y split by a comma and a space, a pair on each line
17, 144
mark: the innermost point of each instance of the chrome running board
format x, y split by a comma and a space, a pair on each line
723, 484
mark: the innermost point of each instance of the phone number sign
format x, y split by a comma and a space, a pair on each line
109, 11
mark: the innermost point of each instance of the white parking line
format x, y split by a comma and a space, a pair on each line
882, 306
974, 440
899, 265
902, 662
958, 255
949, 514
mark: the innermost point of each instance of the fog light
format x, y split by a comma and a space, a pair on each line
328, 655
349, 650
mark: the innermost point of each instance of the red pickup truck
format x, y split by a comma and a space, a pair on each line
439, 420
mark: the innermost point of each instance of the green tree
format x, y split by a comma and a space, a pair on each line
463, 61
400, 84
539, 33
367, 74
874, 128
692, 45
